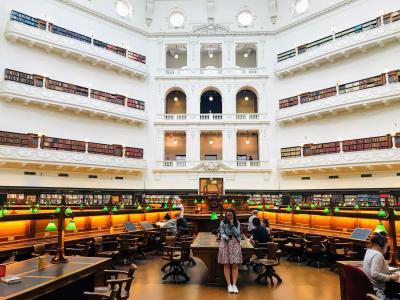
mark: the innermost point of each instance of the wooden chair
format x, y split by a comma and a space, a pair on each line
113, 283
79, 249
176, 257
295, 248
40, 249
127, 248
101, 296
340, 250
357, 283
270, 259
188, 258
98, 245
315, 249
142, 243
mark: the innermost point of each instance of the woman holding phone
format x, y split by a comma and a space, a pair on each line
230, 251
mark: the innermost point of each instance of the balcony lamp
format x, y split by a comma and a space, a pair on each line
246, 98
211, 142
176, 56
245, 55
51, 226
176, 99
71, 226
247, 141
211, 98
175, 141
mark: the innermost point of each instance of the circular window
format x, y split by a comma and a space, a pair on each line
176, 19
123, 8
245, 18
301, 6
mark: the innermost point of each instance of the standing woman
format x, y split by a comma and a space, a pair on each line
230, 251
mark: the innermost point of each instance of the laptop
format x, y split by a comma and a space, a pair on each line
129, 226
361, 234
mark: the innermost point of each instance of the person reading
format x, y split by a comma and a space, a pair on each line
260, 233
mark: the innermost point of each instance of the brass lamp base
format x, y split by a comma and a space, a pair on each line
59, 258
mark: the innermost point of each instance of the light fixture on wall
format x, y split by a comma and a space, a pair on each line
245, 55
211, 98
246, 98
211, 142
176, 56
247, 139
175, 141
176, 99
210, 54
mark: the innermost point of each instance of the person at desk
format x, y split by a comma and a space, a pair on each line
170, 224
376, 267
260, 233
250, 227
230, 251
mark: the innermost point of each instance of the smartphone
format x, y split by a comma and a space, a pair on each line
230, 236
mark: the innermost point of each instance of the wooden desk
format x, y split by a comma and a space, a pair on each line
206, 246
54, 281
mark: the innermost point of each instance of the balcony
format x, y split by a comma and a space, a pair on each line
19, 157
251, 118
14, 91
69, 47
346, 102
341, 44
212, 166
185, 72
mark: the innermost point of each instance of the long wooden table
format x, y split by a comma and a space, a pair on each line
206, 246
54, 281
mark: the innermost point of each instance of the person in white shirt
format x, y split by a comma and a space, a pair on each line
251, 227
179, 205
376, 267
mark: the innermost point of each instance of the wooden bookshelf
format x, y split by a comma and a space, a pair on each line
110, 47
28, 140
62, 144
135, 103
306, 47
134, 152
137, 57
317, 95
320, 149
64, 87
291, 152
286, 55
397, 140
28, 20
104, 96
69, 33
365, 144
362, 84
391, 17
17, 76
105, 149
287, 102
371, 24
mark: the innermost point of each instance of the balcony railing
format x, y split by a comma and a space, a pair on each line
212, 165
218, 72
367, 151
381, 88
35, 31
212, 118
378, 30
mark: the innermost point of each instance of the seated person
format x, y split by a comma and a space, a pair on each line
376, 267
260, 233
181, 221
250, 226
170, 224
265, 223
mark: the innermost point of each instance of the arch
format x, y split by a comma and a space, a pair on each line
211, 101
246, 100
175, 101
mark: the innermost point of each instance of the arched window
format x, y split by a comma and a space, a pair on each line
211, 102
246, 102
175, 102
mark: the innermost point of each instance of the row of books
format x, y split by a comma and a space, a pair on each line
366, 83
41, 24
371, 24
37, 80
362, 144
31, 140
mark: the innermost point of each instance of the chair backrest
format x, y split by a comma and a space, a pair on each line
98, 244
272, 251
357, 283
39, 249
131, 274
185, 249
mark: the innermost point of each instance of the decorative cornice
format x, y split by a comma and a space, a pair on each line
14, 91
345, 102
66, 158
209, 73
18, 32
211, 119
345, 159
346, 46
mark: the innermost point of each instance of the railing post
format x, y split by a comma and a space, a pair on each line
341, 145
393, 134
337, 87
40, 135
86, 145
386, 71
301, 150
123, 150
126, 101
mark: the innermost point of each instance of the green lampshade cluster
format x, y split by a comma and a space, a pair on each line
297, 207
114, 209
381, 213
71, 226
33, 210
380, 228
289, 208
337, 209
327, 210
213, 216
105, 208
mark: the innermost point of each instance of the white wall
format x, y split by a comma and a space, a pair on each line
148, 40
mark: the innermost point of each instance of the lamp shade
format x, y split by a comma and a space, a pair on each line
356, 206
114, 209
327, 211
148, 207
58, 210
34, 210
380, 228
195, 201
202, 201
233, 201
297, 207
81, 205
174, 205
68, 211
312, 206
337, 209
71, 226
381, 213
139, 207
267, 206
226, 201
51, 226
5, 211
289, 208
105, 208
1, 213
213, 216
165, 205
122, 206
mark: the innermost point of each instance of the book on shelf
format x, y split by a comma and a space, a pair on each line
291, 152
362, 84
69, 33
66, 87
108, 97
27, 20
110, 47
29, 140
135, 103
133, 152
287, 102
105, 149
63, 144
363, 144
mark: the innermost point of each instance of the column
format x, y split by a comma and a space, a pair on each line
160, 150
229, 99
193, 54
193, 144
163, 60
229, 144
192, 99
260, 53
228, 54
262, 144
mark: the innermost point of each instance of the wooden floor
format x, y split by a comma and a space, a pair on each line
299, 282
